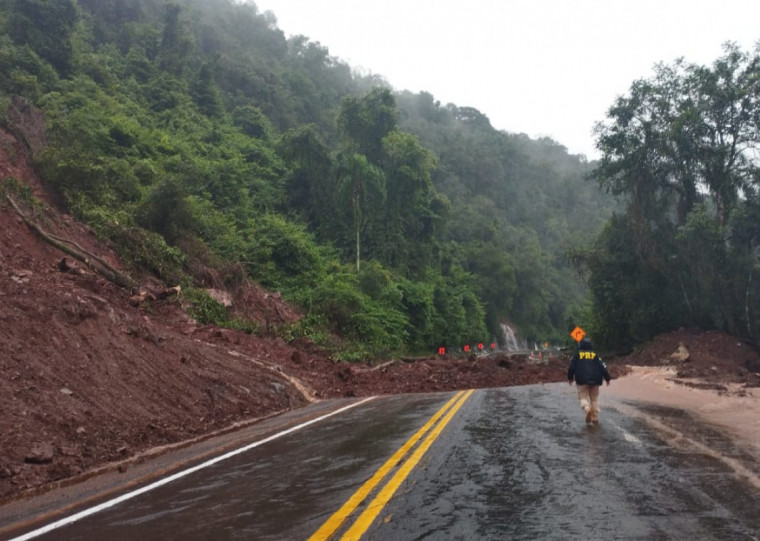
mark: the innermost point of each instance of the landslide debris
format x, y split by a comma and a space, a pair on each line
93, 375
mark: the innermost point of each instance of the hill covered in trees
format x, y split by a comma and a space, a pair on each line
209, 149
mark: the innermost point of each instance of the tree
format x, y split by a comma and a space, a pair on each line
206, 92
363, 186
311, 181
410, 214
176, 42
690, 129
496, 283
365, 121
252, 121
46, 26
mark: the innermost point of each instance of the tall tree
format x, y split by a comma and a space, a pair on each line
176, 42
692, 128
367, 120
311, 181
206, 92
363, 186
410, 215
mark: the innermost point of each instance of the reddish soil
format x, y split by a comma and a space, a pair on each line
90, 378
714, 358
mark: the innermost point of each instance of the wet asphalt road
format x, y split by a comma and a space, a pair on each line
513, 463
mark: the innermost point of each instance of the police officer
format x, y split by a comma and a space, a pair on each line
588, 370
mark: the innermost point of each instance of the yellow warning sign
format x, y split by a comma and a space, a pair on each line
577, 334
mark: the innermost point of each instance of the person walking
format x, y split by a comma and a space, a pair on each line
588, 370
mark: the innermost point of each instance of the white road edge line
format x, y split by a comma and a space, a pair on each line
627, 436
92, 510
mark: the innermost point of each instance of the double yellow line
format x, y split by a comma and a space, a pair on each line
365, 519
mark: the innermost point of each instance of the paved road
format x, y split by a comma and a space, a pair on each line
513, 463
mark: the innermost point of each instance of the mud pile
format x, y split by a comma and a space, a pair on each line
714, 358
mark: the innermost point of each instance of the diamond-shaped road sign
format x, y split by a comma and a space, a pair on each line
577, 334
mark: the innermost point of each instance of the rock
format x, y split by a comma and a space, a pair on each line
167, 292
67, 391
68, 450
222, 297
153, 293
136, 300
21, 276
66, 265
41, 453
681, 355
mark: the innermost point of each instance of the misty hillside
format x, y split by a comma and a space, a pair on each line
208, 149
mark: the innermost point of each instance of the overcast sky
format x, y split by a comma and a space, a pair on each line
540, 67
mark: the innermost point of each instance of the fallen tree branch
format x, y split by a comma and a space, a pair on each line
99, 259
80, 254
383, 365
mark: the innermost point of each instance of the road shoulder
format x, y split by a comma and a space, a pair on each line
734, 409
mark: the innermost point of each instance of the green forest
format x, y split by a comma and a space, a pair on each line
207, 148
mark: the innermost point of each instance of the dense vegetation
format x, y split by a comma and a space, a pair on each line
682, 149
200, 142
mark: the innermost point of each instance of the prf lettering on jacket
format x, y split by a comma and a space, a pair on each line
587, 355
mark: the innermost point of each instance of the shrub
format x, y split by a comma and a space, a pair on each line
205, 309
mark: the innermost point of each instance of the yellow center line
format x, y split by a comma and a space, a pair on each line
335, 521
373, 509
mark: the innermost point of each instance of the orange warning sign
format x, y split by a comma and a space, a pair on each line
577, 334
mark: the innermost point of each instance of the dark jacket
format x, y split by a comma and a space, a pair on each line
586, 366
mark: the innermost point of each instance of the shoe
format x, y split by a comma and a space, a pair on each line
588, 416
